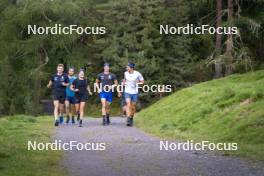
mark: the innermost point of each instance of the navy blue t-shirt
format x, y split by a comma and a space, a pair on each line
106, 79
57, 81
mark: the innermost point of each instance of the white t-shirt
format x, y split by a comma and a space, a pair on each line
131, 80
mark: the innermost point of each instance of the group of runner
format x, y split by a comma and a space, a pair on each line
71, 92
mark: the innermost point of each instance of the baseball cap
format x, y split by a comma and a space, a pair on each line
106, 64
131, 65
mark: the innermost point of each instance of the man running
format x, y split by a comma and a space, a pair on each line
59, 82
106, 80
131, 78
70, 97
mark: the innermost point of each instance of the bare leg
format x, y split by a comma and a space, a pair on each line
77, 109
133, 108
103, 101
108, 107
128, 107
61, 109
82, 107
67, 107
72, 110
56, 109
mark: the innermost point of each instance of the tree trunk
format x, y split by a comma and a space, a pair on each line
229, 42
218, 41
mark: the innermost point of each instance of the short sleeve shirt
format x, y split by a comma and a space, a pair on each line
57, 81
106, 79
69, 92
131, 80
81, 85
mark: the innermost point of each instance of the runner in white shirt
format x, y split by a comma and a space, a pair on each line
131, 80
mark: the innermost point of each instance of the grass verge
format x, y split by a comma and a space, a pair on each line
15, 159
230, 109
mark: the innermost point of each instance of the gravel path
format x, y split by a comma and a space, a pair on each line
130, 151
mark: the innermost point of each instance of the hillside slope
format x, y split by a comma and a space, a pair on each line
230, 109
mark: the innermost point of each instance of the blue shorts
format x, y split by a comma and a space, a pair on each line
72, 100
108, 96
132, 97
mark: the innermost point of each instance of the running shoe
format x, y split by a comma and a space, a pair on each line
80, 123
68, 119
56, 123
131, 121
128, 121
104, 120
73, 121
107, 119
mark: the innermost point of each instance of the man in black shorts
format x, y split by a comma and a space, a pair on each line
59, 82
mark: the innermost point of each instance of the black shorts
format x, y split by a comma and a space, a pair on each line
81, 98
72, 100
59, 96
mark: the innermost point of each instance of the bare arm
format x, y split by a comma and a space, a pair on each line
89, 90
97, 85
141, 82
49, 84
72, 87
65, 84
116, 84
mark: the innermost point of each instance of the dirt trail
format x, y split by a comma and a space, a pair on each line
130, 151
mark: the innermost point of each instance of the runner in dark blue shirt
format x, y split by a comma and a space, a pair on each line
58, 82
105, 81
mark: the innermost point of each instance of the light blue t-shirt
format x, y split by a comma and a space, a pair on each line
69, 92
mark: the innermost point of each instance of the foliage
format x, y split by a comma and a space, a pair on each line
27, 61
223, 110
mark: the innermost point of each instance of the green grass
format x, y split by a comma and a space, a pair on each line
15, 159
223, 110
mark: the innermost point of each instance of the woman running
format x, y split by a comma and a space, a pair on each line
81, 88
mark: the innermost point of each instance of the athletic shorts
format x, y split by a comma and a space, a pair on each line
72, 100
80, 98
132, 97
108, 96
59, 96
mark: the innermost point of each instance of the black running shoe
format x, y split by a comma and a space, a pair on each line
107, 119
68, 119
56, 123
73, 121
104, 120
128, 121
131, 121
80, 123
